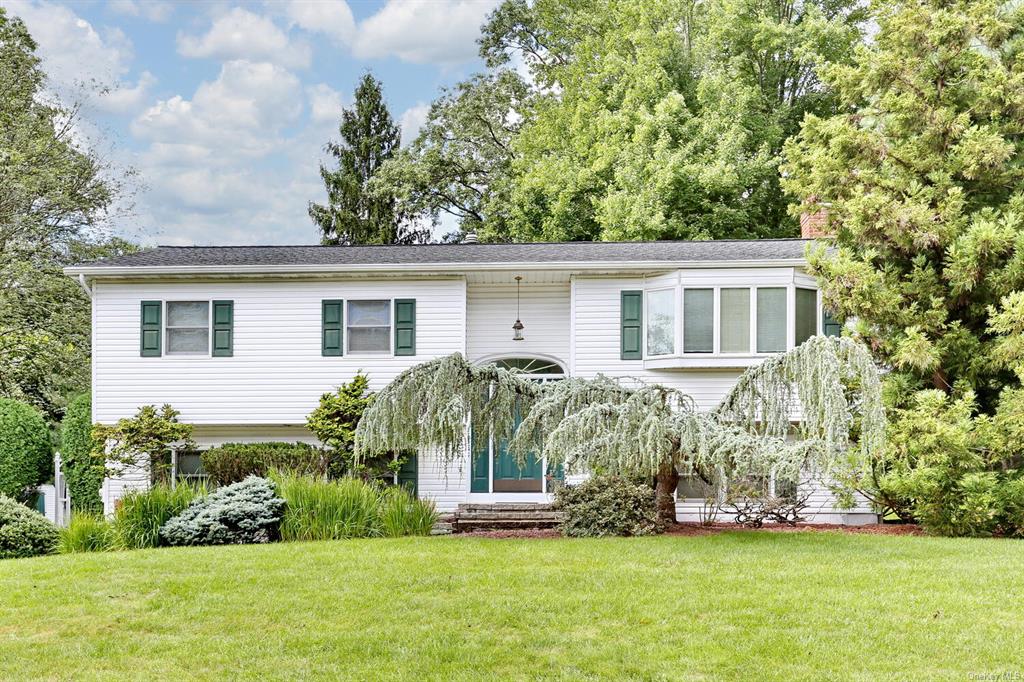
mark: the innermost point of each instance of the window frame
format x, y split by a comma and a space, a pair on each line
676, 321
166, 328
717, 354
386, 353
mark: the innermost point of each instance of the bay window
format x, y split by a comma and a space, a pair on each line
806, 314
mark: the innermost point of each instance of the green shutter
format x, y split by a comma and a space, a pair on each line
405, 326
632, 307
331, 321
480, 473
149, 336
223, 328
407, 474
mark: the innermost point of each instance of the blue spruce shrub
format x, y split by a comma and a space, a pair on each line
246, 512
23, 531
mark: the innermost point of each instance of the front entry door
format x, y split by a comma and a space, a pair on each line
509, 477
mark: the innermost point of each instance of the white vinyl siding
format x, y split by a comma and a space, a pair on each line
277, 372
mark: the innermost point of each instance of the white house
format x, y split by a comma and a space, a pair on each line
244, 340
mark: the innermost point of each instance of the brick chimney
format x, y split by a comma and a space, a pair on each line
814, 224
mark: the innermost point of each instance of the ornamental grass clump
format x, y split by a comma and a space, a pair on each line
142, 513
24, 532
87, 533
321, 509
248, 512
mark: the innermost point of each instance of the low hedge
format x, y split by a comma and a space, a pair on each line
608, 505
24, 532
234, 462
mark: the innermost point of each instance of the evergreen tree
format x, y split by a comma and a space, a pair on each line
923, 173
355, 214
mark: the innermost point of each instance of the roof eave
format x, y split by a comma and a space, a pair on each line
94, 271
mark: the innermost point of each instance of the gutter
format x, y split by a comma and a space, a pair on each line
415, 268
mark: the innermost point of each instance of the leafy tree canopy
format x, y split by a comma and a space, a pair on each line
659, 119
56, 196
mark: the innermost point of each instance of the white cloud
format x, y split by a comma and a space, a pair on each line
73, 51
153, 10
122, 99
412, 120
240, 34
330, 17
325, 103
423, 31
240, 113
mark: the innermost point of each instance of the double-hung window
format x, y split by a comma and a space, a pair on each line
698, 320
188, 327
369, 326
734, 320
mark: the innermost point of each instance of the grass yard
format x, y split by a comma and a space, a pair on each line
739, 605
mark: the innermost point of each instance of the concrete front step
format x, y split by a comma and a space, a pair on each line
504, 515
511, 515
506, 506
502, 524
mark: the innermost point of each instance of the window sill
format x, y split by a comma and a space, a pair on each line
708, 361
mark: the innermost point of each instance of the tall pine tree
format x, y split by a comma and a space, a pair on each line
355, 214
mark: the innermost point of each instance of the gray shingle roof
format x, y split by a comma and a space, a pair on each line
453, 254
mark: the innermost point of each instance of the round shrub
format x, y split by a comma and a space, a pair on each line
82, 471
23, 531
233, 462
25, 448
242, 513
607, 505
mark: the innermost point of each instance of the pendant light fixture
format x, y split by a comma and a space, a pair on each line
517, 328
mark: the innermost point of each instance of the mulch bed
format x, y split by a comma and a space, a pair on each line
694, 529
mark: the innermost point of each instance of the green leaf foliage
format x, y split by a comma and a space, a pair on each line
234, 462
57, 198
639, 120
143, 441
243, 513
26, 451
607, 505
922, 175
142, 513
24, 532
83, 470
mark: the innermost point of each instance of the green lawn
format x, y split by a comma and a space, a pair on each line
732, 606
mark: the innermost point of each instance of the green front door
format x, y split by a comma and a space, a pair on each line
509, 477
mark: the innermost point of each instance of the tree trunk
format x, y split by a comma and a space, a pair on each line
664, 493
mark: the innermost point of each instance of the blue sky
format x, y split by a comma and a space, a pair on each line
222, 109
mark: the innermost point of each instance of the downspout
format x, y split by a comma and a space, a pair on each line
85, 287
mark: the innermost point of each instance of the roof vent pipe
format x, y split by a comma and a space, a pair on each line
470, 238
